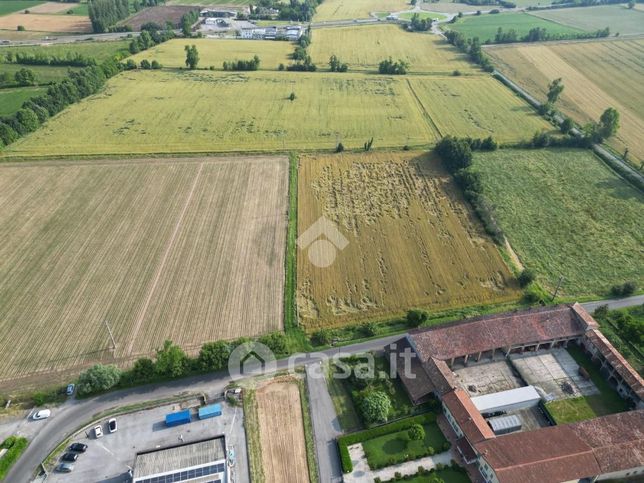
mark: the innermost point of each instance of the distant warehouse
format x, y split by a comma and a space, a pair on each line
289, 32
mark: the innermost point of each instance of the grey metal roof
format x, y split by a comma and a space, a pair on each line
526, 395
505, 423
178, 457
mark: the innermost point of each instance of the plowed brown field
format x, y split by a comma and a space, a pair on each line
190, 250
412, 240
281, 431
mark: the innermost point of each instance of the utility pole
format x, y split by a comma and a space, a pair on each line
111, 336
554, 295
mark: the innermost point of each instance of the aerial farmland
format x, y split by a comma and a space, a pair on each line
135, 245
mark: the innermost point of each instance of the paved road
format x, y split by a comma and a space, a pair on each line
68, 417
69, 39
326, 425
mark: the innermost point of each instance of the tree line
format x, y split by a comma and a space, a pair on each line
541, 34
388, 66
171, 362
470, 46
71, 59
105, 13
243, 65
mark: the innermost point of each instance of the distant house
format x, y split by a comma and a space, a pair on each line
255, 33
217, 13
293, 32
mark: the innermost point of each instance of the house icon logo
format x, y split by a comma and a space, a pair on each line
251, 358
322, 240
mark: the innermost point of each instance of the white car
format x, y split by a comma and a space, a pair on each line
98, 431
111, 425
42, 414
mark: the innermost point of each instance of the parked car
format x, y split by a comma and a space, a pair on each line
98, 431
70, 389
42, 414
69, 457
65, 468
111, 425
78, 447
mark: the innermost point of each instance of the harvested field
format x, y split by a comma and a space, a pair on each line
425, 53
159, 15
485, 26
458, 107
51, 7
618, 18
46, 23
412, 241
190, 250
281, 430
186, 111
567, 214
590, 70
350, 9
214, 52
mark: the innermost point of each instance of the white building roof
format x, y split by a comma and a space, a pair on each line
522, 396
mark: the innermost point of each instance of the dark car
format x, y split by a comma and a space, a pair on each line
78, 447
69, 457
65, 468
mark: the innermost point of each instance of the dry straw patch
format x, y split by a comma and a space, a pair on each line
189, 250
51, 7
46, 23
281, 430
412, 240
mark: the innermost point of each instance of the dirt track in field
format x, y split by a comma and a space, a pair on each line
282, 433
190, 250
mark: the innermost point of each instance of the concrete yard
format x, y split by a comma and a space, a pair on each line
109, 458
487, 377
550, 371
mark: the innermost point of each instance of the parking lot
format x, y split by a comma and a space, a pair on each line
555, 372
109, 458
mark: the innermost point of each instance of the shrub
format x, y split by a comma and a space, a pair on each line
415, 318
292, 96
171, 360
323, 337
214, 355
98, 378
416, 433
276, 342
375, 407
625, 290
456, 73
369, 329
526, 277
21, 28
339, 148
156, 65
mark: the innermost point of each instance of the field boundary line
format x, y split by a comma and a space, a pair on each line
426, 114
157, 277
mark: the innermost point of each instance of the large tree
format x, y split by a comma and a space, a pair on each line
192, 56
555, 88
375, 407
98, 378
609, 122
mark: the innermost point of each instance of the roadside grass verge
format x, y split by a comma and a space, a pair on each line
343, 404
309, 436
251, 425
15, 446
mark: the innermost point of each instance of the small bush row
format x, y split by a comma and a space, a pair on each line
15, 446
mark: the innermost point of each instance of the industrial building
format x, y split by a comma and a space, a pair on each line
197, 462
500, 447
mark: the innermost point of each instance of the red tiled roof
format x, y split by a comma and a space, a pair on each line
621, 365
547, 455
467, 416
488, 332
568, 452
418, 384
441, 375
617, 440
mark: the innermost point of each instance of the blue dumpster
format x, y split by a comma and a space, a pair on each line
180, 417
210, 411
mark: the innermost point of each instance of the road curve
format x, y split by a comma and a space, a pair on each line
67, 418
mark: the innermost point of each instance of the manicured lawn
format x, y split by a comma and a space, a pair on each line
447, 475
587, 407
396, 447
485, 26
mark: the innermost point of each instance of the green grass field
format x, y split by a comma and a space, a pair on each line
11, 6
11, 99
215, 51
608, 401
566, 214
425, 53
44, 74
381, 450
485, 26
356, 9
617, 17
99, 50
78, 9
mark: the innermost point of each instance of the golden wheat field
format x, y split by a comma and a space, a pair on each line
596, 75
412, 241
190, 250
